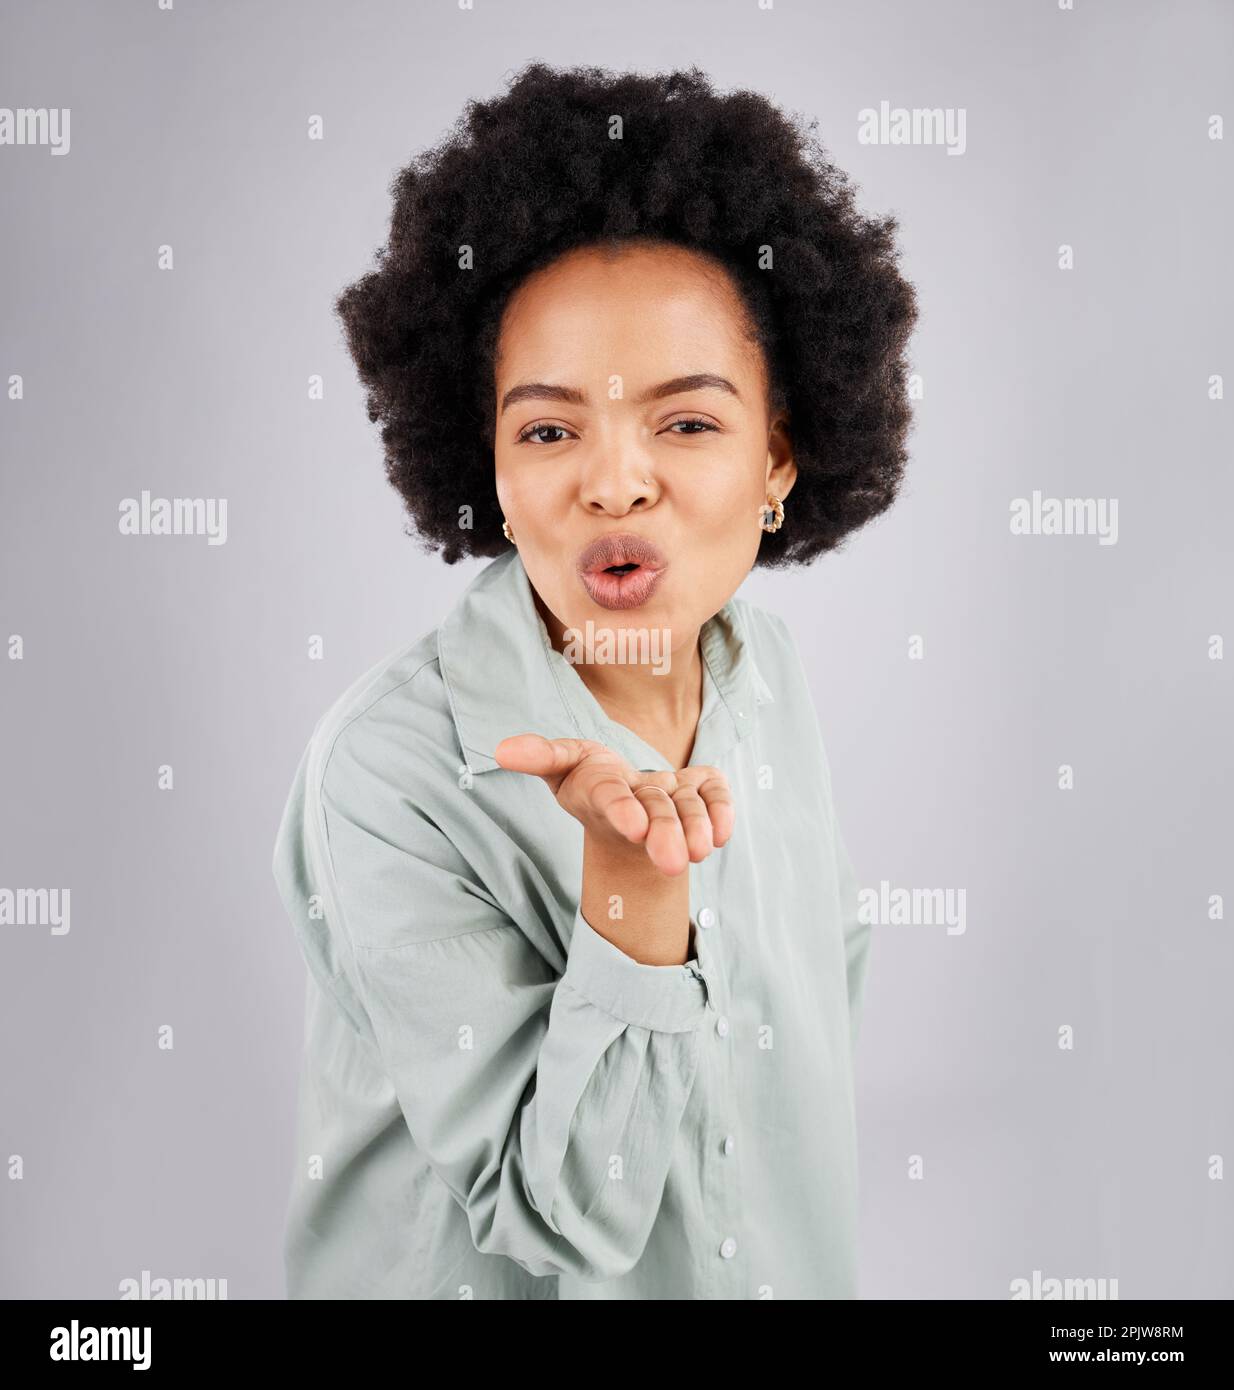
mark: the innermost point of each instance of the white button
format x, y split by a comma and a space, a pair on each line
706, 918
729, 1143
728, 1248
722, 1026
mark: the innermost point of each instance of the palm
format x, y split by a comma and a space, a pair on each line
611, 798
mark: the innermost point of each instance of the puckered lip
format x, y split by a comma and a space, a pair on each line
620, 548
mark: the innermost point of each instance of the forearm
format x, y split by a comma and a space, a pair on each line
653, 925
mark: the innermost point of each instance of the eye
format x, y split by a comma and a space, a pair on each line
543, 427
693, 424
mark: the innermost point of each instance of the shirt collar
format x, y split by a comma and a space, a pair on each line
503, 676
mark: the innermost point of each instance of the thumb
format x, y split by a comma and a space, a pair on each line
542, 757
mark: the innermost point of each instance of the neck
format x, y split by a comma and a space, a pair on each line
661, 691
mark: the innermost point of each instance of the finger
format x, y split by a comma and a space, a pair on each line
663, 781
609, 795
543, 757
669, 781
695, 822
665, 842
717, 796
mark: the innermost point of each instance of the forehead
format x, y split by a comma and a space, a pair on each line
658, 307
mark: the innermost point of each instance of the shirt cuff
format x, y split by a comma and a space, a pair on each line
670, 998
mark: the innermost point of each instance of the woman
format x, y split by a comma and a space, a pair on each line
585, 958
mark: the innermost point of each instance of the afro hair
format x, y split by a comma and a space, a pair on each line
531, 174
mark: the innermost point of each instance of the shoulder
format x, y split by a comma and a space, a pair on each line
391, 727
777, 658
760, 621
770, 637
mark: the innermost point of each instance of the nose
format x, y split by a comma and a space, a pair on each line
616, 480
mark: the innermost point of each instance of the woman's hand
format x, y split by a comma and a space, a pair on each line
678, 817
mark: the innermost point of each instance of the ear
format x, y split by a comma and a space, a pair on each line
781, 466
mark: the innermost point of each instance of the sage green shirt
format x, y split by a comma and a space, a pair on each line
496, 1101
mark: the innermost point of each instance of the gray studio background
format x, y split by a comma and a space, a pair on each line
1088, 908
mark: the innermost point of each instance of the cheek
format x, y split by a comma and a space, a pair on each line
505, 483
732, 489
514, 485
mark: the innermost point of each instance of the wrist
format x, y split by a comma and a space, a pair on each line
626, 899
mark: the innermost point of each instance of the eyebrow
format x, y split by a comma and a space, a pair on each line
543, 391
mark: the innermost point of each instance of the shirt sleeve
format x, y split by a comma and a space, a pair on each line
547, 1101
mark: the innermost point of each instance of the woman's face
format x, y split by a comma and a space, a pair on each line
632, 402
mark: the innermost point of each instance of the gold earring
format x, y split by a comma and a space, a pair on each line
505, 530
771, 514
